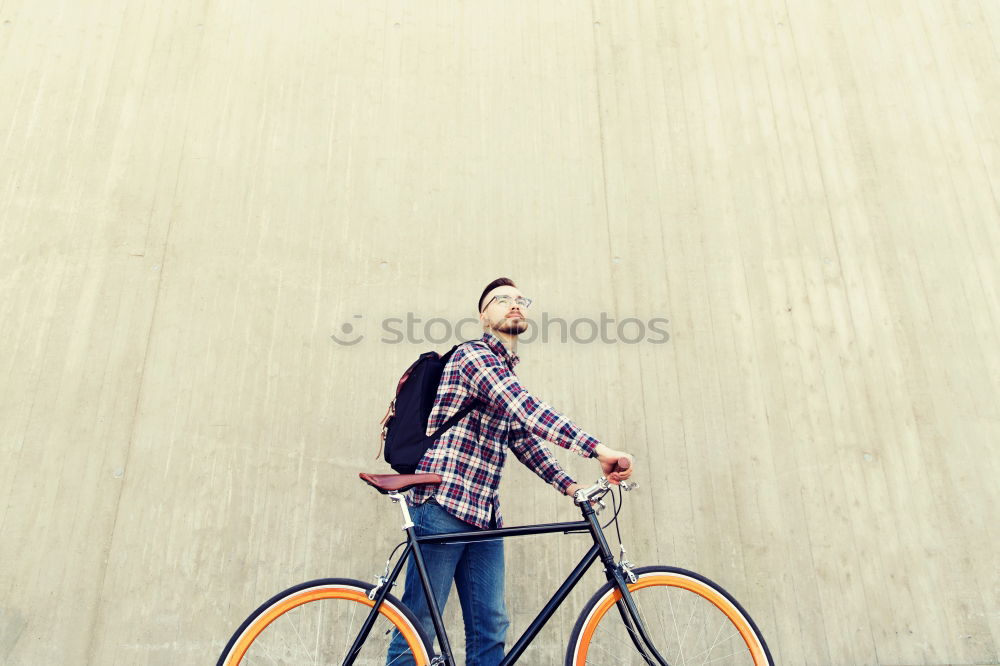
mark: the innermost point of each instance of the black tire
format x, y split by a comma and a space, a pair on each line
712, 626
307, 624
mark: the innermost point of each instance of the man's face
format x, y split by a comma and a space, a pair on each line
508, 318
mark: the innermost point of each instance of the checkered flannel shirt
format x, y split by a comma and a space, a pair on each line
470, 456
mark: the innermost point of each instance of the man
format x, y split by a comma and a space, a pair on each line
470, 458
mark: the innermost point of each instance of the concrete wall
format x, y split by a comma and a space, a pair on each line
195, 196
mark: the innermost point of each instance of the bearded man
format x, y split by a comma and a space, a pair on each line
470, 457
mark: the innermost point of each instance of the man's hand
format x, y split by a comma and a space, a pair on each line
617, 466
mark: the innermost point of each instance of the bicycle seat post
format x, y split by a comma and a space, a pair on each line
401, 501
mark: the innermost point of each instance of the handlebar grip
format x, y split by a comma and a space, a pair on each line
622, 464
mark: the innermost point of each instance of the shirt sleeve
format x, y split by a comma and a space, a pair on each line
491, 381
536, 456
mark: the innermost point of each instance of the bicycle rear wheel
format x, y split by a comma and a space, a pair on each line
316, 623
689, 619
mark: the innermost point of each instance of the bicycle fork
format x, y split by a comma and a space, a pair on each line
629, 612
634, 625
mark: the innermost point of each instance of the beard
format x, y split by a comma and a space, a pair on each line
513, 326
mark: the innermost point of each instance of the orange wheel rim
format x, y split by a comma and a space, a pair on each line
250, 634
672, 580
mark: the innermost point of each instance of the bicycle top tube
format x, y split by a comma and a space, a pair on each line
473, 536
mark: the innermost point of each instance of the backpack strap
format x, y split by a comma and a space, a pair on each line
462, 413
455, 418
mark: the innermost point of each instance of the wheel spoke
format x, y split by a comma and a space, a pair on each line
405, 654
680, 641
347, 635
607, 652
301, 641
711, 657
715, 641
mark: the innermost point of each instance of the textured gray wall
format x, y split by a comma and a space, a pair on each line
194, 196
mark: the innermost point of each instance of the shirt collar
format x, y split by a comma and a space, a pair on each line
498, 347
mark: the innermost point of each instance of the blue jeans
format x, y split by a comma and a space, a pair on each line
478, 572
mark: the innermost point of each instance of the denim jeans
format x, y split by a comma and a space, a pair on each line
478, 572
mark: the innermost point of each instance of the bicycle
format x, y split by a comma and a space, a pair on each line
664, 616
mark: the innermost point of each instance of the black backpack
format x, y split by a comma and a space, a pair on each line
404, 427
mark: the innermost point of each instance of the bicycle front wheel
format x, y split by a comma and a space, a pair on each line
688, 618
317, 623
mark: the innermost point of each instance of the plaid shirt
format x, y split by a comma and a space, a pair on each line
470, 456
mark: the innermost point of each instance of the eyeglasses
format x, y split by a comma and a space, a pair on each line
505, 300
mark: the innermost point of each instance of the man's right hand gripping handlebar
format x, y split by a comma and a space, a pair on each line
616, 466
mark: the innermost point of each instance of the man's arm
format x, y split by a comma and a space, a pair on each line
491, 381
537, 457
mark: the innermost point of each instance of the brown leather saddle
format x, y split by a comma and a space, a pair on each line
389, 483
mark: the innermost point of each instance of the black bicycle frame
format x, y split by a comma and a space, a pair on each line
600, 550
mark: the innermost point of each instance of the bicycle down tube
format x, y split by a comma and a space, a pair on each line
599, 550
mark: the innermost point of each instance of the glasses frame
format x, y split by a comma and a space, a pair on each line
520, 301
